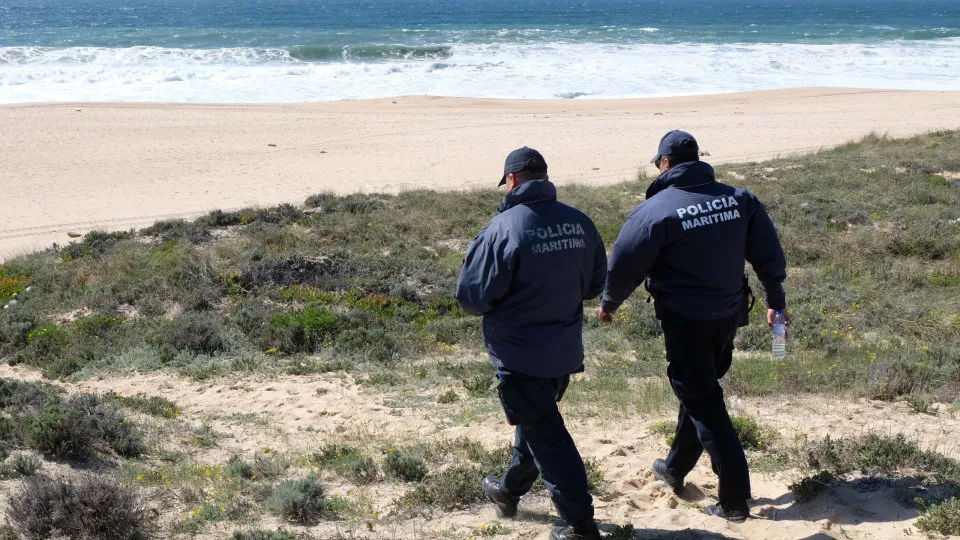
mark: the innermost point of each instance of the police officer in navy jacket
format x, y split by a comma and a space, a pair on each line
690, 238
527, 273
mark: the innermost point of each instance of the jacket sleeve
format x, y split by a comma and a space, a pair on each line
633, 255
599, 277
765, 255
486, 274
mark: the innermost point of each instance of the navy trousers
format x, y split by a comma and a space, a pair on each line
543, 446
699, 353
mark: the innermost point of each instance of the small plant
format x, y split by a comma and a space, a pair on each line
20, 465
85, 507
263, 535
301, 330
382, 378
477, 385
153, 405
920, 403
493, 529
362, 470
595, 474
405, 467
200, 333
810, 487
450, 396
337, 507
239, 468
53, 433
943, 518
450, 489
267, 466
204, 436
751, 435
665, 428
298, 501
623, 532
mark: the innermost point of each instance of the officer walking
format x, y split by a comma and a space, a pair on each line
690, 238
527, 273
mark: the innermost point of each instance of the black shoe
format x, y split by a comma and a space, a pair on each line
733, 514
586, 531
506, 505
660, 471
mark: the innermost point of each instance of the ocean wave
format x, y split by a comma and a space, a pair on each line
369, 52
233, 55
497, 70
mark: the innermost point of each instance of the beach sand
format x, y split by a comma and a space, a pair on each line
79, 167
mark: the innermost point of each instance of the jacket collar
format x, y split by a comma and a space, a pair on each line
684, 175
531, 191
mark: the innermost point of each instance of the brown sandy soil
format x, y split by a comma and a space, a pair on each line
79, 167
298, 414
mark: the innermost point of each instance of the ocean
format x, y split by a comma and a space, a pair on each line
231, 51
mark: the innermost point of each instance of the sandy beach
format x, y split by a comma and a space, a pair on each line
79, 167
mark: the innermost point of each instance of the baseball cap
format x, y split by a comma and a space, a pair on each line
677, 143
523, 159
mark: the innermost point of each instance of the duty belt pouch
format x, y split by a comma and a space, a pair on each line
746, 303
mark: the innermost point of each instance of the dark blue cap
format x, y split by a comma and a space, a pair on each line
677, 143
523, 159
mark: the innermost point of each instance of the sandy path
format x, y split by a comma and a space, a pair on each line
114, 166
302, 413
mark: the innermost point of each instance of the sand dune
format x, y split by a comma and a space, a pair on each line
78, 167
300, 414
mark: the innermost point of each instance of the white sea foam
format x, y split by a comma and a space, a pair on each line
541, 70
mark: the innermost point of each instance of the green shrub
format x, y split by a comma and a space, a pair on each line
84, 507
382, 378
267, 466
450, 489
809, 488
665, 428
595, 474
299, 501
239, 468
87, 411
373, 344
302, 330
95, 244
347, 461
478, 385
450, 396
404, 467
20, 465
219, 218
54, 433
195, 332
194, 232
334, 455
943, 518
338, 507
363, 470
751, 435
876, 454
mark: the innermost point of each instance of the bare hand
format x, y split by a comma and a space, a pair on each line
606, 318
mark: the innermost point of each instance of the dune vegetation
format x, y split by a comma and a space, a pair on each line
362, 287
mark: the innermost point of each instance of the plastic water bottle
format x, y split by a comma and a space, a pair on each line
779, 335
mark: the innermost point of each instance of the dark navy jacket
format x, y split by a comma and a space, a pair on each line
527, 272
691, 237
